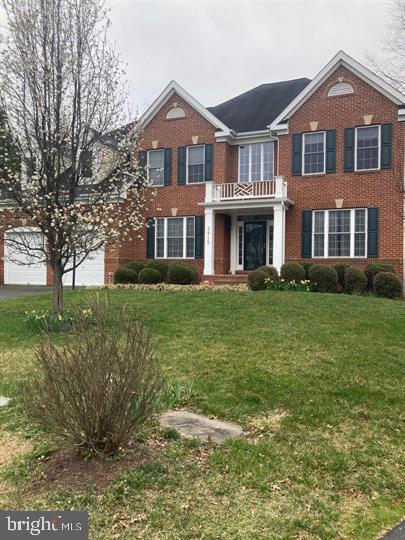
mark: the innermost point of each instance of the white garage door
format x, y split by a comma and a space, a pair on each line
20, 268
90, 272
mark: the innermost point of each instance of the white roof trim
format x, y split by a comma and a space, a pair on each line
174, 88
340, 59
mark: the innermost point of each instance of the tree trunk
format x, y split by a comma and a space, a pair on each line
57, 288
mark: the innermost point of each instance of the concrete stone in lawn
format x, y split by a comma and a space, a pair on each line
198, 426
397, 533
4, 401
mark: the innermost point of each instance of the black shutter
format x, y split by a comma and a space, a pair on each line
168, 167
297, 154
150, 239
198, 236
306, 245
386, 145
331, 151
349, 149
372, 236
143, 163
208, 162
181, 165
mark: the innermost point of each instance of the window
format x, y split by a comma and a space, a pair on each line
367, 148
256, 162
175, 238
156, 167
339, 233
175, 112
340, 89
195, 164
313, 154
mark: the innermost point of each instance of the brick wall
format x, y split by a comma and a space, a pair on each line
380, 189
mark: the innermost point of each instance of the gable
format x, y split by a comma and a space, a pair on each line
340, 60
172, 90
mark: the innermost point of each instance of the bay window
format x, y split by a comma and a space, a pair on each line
256, 162
339, 233
175, 238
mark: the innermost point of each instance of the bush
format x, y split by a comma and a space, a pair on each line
323, 278
160, 266
136, 267
355, 280
257, 280
306, 265
271, 272
388, 285
98, 387
372, 269
150, 275
125, 275
182, 274
341, 272
292, 272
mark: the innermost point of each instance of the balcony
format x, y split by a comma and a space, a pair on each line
236, 191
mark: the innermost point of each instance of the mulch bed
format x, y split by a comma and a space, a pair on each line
68, 470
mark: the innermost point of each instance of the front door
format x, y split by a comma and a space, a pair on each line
254, 244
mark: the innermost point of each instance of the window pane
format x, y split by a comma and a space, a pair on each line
339, 245
319, 234
244, 163
240, 246
268, 160
314, 153
175, 247
360, 220
195, 164
190, 243
190, 226
160, 242
190, 247
175, 227
319, 222
367, 147
360, 245
156, 158
160, 227
256, 162
339, 221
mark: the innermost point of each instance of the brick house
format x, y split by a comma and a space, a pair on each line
284, 172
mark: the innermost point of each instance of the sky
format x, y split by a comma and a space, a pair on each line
219, 49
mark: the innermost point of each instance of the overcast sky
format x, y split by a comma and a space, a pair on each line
218, 49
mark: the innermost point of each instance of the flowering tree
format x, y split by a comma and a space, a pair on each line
65, 167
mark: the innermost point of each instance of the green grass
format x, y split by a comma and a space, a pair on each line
315, 380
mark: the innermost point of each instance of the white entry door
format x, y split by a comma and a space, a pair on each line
20, 268
90, 272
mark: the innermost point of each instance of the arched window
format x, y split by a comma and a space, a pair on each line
175, 112
340, 89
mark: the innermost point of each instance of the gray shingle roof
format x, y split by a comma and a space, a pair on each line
255, 109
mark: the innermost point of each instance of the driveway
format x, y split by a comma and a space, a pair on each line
14, 291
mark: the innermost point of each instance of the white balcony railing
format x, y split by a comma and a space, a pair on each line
272, 189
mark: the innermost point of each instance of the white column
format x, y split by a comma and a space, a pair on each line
209, 242
209, 188
278, 235
233, 243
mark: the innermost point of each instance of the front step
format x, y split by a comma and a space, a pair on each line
226, 279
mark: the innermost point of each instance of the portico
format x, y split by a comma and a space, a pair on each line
257, 213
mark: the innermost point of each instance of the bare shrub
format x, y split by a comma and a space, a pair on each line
99, 385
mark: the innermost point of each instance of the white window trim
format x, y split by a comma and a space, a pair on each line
379, 148
250, 144
195, 146
326, 234
303, 153
147, 162
165, 219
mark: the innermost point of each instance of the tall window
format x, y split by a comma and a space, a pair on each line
367, 148
195, 164
256, 162
313, 154
339, 233
175, 238
156, 167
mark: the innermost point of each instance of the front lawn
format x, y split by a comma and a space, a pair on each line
315, 380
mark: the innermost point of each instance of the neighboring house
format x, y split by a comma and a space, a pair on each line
287, 171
